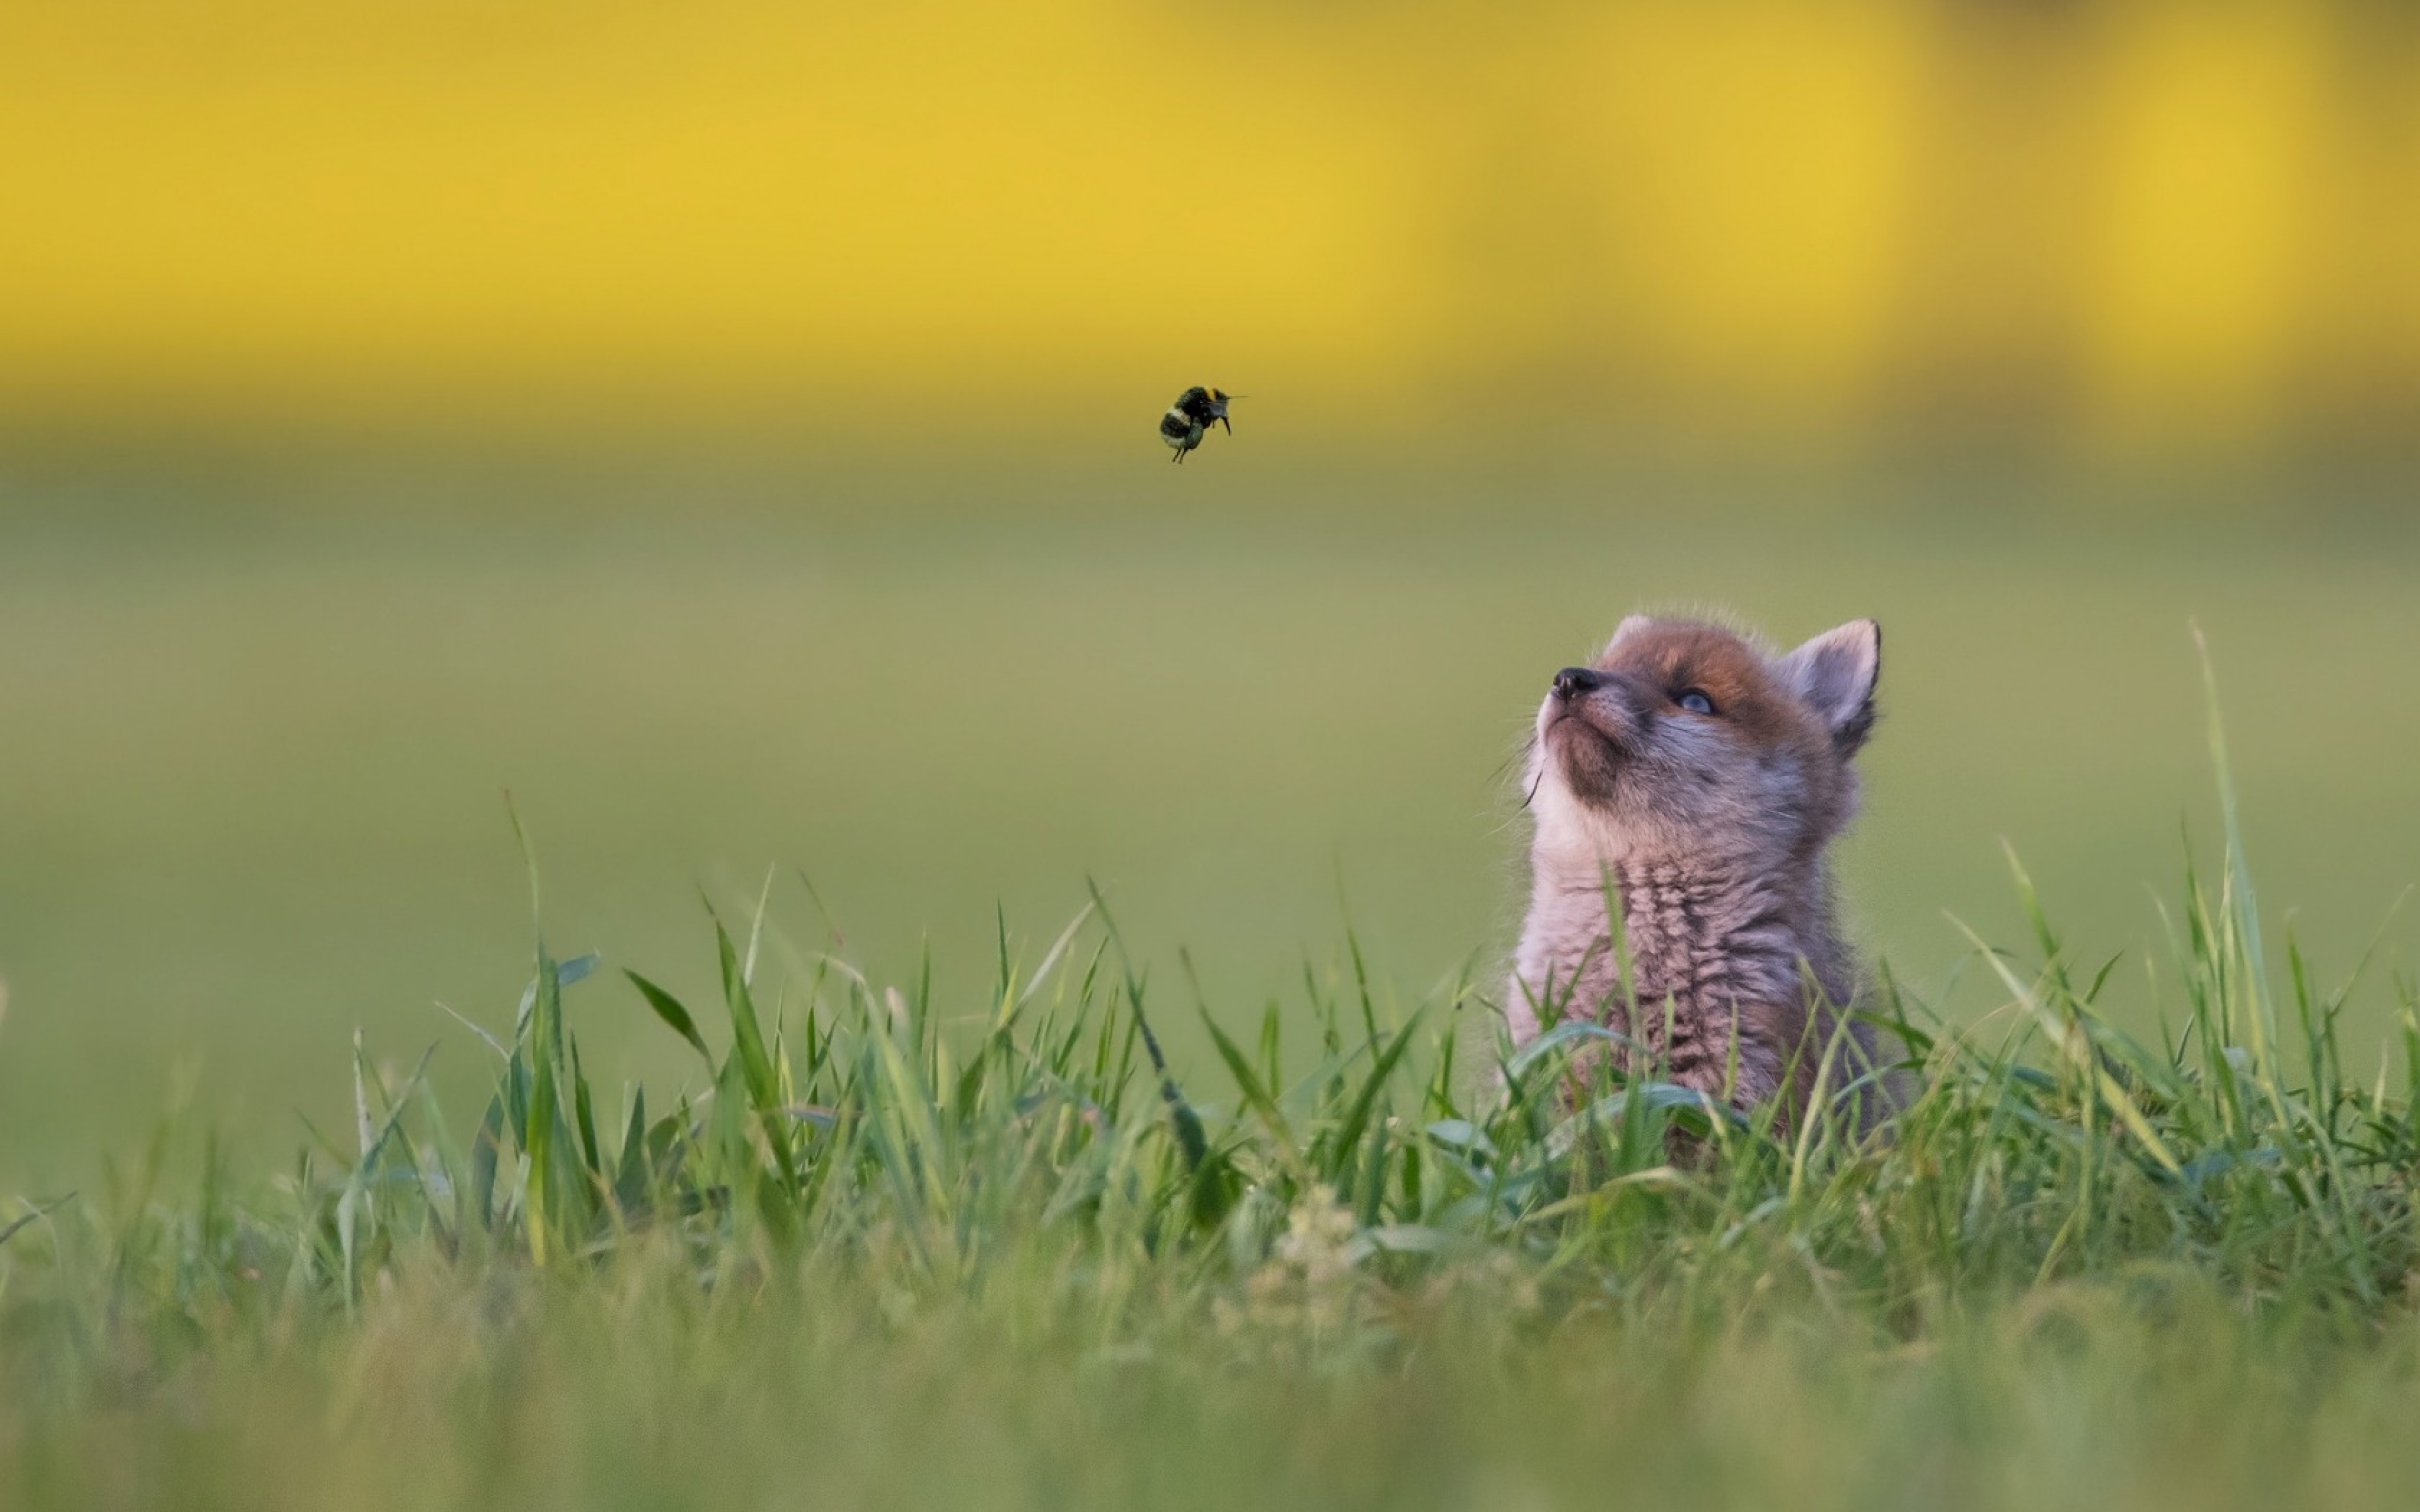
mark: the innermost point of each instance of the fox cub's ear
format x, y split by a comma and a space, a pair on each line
1835, 673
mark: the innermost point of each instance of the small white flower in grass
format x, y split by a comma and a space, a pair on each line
1310, 1283
1318, 1241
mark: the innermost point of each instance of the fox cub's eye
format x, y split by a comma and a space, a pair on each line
1695, 701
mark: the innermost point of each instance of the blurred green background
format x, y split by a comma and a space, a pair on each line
726, 428
252, 794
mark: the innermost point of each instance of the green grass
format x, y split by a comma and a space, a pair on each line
911, 1213
250, 788
887, 1246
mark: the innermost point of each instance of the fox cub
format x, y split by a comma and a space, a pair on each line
1697, 780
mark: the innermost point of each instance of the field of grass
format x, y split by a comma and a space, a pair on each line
909, 1214
259, 735
901, 1248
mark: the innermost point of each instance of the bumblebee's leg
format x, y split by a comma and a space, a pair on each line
1222, 422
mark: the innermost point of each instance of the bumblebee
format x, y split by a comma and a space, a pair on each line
1191, 418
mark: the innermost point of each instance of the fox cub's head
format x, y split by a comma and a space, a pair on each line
1683, 742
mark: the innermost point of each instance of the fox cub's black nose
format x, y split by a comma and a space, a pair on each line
1572, 681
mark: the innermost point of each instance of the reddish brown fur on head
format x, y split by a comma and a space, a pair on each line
1626, 766
1673, 655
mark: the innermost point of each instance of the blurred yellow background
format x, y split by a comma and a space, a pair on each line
2155, 225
